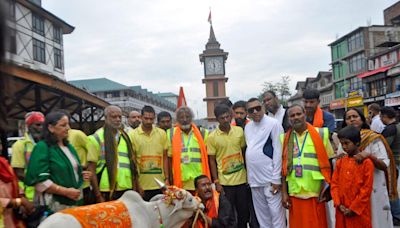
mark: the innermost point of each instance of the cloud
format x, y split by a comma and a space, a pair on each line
156, 44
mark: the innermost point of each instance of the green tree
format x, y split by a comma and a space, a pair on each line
281, 89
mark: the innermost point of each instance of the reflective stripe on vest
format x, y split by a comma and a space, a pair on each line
184, 150
190, 158
312, 176
28, 190
124, 180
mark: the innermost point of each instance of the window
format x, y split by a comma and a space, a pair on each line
322, 83
11, 41
339, 90
215, 88
57, 34
357, 63
397, 84
57, 58
356, 41
39, 53
355, 83
111, 94
10, 5
38, 24
377, 88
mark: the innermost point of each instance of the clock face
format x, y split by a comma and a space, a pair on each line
214, 65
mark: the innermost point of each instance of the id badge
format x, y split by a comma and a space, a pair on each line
186, 159
298, 170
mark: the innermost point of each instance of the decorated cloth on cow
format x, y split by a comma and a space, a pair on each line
108, 214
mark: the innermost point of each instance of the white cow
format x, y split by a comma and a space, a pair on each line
174, 211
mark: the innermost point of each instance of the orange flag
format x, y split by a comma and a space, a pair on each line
181, 98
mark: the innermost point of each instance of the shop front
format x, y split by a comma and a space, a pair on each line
337, 107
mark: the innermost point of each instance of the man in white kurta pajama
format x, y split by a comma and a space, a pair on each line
264, 164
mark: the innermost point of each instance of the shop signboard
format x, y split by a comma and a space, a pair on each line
394, 70
369, 100
337, 104
355, 93
380, 98
354, 101
395, 101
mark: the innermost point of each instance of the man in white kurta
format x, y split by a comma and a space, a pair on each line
264, 164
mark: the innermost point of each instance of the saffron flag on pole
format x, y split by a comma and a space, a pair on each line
181, 98
209, 18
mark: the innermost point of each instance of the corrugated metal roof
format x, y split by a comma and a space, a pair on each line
104, 84
98, 84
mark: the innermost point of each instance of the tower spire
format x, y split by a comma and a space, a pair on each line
212, 41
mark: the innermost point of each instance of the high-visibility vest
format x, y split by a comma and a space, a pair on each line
312, 176
190, 155
28, 148
124, 176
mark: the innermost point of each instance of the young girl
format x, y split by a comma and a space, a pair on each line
352, 182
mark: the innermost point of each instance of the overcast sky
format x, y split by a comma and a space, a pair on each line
156, 43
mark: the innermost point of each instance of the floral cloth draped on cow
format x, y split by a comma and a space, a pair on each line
108, 214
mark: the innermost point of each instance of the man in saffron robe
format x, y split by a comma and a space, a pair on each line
218, 211
314, 114
352, 183
305, 169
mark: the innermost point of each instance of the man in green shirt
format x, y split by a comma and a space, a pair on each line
225, 150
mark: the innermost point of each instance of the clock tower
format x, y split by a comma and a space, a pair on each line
213, 58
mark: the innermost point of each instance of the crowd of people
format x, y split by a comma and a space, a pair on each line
263, 166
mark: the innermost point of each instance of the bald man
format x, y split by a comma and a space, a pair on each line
134, 119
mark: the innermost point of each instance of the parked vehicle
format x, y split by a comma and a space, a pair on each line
10, 142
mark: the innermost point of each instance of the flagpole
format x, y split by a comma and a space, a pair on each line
209, 17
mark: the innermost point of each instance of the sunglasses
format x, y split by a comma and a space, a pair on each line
251, 110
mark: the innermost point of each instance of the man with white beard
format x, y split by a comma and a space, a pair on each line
187, 151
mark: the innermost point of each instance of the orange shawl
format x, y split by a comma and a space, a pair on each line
212, 207
323, 160
176, 154
318, 120
367, 137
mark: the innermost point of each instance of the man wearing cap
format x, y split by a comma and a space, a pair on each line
21, 149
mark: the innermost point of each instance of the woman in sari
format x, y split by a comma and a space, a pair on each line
11, 197
54, 168
375, 147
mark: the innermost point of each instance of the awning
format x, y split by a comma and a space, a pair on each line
369, 73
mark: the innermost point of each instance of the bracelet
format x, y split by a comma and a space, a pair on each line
58, 189
18, 202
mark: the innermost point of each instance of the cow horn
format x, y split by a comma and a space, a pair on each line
161, 184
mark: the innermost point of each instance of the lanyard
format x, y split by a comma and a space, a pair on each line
188, 142
302, 146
